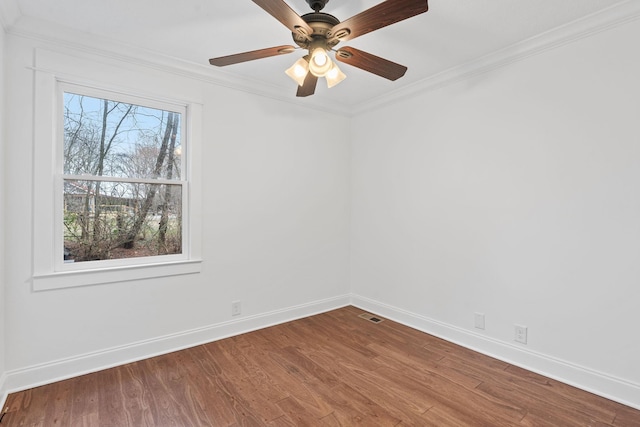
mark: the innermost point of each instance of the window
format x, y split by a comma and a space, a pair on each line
117, 175
121, 180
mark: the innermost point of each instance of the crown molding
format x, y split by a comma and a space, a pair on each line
66, 41
9, 13
611, 17
92, 45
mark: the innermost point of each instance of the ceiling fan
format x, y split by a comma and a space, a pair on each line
318, 33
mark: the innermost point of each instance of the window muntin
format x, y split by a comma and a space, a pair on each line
123, 191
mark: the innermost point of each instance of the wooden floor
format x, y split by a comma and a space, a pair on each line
333, 369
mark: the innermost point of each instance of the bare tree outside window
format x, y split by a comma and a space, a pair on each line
122, 180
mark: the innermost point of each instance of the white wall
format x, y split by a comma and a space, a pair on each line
516, 194
275, 230
2, 220
513, 194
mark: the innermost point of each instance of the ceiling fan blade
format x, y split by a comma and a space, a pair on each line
379, 16
371, 63
250, 56
309, 86
283, 13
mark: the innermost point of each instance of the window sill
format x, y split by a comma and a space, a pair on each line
72, 279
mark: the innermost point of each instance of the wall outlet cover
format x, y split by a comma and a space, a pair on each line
520, 334
236, 308
479, 320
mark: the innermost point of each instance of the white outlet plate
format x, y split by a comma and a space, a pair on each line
478, 319
520, 334
236, 308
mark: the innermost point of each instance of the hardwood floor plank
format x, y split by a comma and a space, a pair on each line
28, 407
306, 369
561, 394
440, 382
228, 394
17, 401
330, 421
398, 400
169, 393
549, 412
303, 392
552, 420
91, 419
444, 416
354, 408
258, 371
209, 393
84, 406
331, 369
483, 407
57, 411
467, 357
412, 363
295, 414
385, 333
134, 395
626, 416
111, 404
459, 366
327, 331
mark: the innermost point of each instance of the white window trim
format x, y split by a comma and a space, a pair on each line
47, 271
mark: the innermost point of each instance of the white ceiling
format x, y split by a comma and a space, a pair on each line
451, 33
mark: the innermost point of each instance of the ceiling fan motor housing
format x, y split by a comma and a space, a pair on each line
322, 24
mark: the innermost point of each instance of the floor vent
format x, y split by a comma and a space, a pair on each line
370, 318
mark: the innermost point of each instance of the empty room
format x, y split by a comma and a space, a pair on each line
319, 212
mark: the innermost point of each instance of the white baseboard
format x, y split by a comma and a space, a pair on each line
46, 373
617, 389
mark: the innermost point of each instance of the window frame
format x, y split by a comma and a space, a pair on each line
49, 270
60, 265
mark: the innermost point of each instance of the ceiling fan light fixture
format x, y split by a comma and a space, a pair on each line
318, 33
334, 76
320, 63
298, 71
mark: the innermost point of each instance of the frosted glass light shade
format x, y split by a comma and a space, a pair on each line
298, 71
334, 76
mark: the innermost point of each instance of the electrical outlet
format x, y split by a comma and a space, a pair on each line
236, 308
520, 334
479, 320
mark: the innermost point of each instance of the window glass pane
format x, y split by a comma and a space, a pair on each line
113, 220
110, 138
